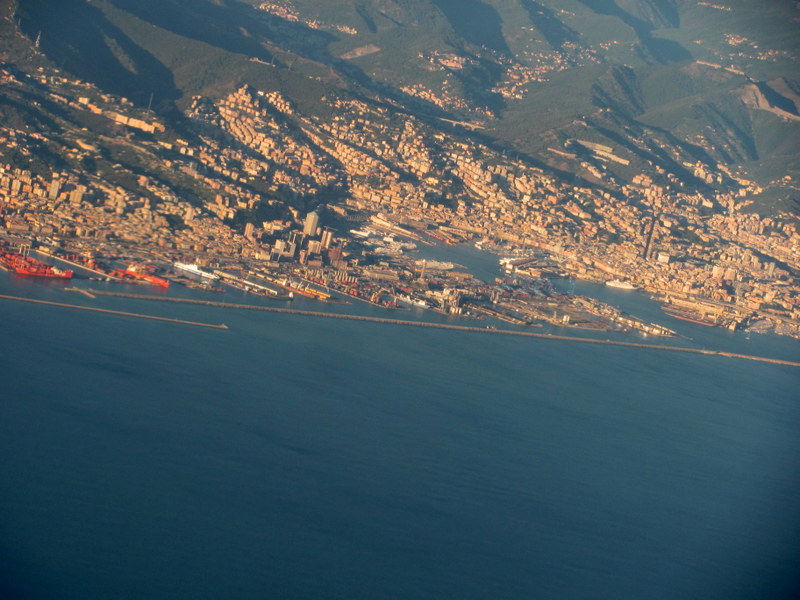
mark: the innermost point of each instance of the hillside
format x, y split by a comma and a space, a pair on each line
666, 82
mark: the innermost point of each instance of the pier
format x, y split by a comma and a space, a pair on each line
466, 328
77, 265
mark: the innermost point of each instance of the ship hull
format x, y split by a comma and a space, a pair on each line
30, 267
44, 275
141, 275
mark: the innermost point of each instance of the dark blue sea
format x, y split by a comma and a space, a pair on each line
304, 458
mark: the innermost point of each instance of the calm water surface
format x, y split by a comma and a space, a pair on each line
293, 457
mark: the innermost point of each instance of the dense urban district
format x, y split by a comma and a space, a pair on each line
253, 193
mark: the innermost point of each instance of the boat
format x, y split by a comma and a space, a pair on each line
193, 269
437, 237
141, 273
411, 300
304, 290
622, 285
28, 266
435, 265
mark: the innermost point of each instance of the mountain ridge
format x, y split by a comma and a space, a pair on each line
508, 78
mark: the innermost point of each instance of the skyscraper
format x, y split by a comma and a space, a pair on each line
327, 239
76, 196
311, 224
55, 188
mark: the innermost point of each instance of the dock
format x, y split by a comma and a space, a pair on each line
77, 265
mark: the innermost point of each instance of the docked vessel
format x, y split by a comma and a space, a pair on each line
435, 265
411, 300
141, 273
303, 289
623, 285
26, 265
195, 270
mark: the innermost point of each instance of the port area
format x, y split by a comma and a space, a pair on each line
396, 274
396, 322
398, 279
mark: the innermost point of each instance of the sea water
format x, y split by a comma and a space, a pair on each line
297, 457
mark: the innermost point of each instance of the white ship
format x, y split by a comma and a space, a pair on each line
623, 285
194, 270
411, 301
435, 265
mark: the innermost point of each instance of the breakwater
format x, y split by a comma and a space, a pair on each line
466, 328
112, 312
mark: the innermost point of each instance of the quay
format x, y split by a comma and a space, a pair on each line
113, 312
76, 265
467, 328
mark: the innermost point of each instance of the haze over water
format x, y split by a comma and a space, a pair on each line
293, 457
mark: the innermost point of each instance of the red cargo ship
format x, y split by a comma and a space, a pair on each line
142, 273
25, 265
